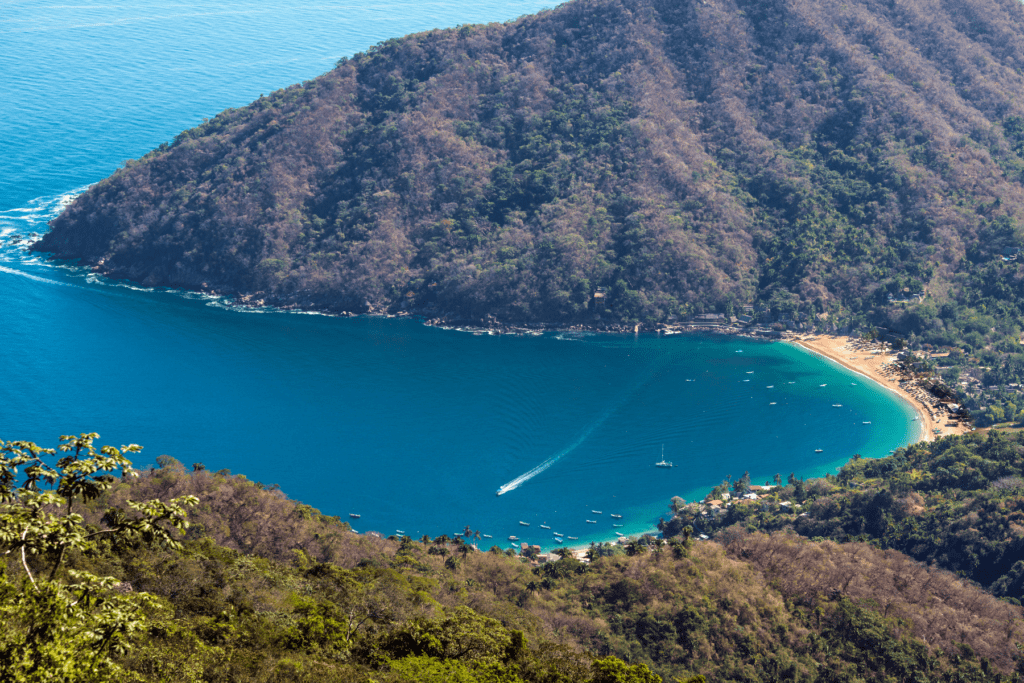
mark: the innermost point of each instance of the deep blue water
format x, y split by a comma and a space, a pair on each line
415, 428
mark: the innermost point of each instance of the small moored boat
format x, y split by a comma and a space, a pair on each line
591, 521
354, 515
615, 516
522, 523
544, 526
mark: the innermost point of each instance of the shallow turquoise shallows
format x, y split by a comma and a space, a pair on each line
413, 428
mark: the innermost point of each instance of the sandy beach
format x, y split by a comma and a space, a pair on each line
875, 361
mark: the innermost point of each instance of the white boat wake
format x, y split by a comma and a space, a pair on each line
523, 478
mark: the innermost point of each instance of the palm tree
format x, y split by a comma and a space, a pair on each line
465, 549
441, 540
452, 563
563, 552
425, 540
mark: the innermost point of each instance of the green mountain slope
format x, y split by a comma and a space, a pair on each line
687, 156
269, 589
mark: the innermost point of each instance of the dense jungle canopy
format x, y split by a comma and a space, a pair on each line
811, 158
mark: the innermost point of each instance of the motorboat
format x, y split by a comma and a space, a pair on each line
591, 521
354, 515
544, 526
615, 516
522, 523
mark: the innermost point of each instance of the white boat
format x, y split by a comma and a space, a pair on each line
557, 534
522, 523
615, 516
573, 538
772, 403
597, 512
853, 384
618, 534
616, 526
354, 515
818, 450
746, 380
867, 423
399, 532
544, 526
770, 386
750, 372
663, 463
591, 521
822, 385
487, 536
513, 538
837, 405
558, 540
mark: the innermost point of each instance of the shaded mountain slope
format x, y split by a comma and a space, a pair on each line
686, 156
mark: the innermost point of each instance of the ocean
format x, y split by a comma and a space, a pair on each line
412, 427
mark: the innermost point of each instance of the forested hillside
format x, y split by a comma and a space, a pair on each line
260, 588
956, 503
809, 158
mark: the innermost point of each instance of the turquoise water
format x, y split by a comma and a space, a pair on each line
414, 428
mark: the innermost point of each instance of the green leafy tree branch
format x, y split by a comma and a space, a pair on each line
59, 623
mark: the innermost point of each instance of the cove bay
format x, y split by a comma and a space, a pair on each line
411, 427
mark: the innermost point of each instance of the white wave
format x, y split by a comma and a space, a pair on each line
12, 271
